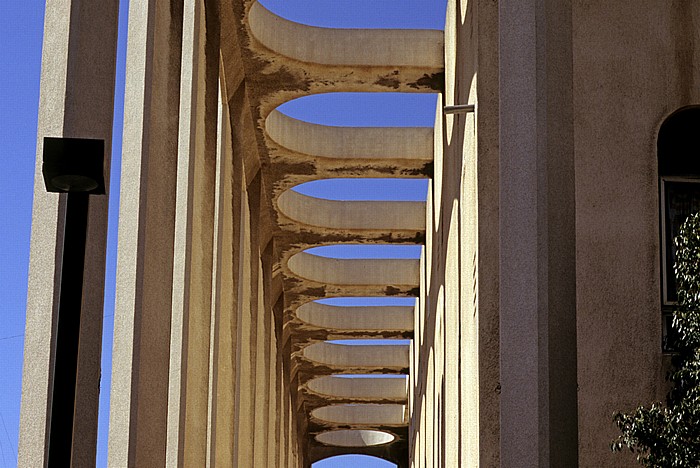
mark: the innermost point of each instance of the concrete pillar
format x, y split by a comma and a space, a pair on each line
141, 351
451, 356
250, 303
246, 339
470, 308
273, 410
272, 361
261, 375
537, 249
76, 101
188, 402
284, 412
223, 378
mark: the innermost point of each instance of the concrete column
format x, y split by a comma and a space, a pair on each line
190, 350
247, 337
141, 351
431, 397
76, 101
284, 412
470, 309
291, 436
451, 331
223, 382
272, 412
271, 360
261, 375
537, 262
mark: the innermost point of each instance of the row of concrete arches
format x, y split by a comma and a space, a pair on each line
355, 395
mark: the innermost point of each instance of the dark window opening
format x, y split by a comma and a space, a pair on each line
680, 199
679, 185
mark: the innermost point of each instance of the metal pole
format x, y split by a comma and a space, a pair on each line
68, 333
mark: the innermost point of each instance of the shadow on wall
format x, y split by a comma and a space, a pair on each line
454, 333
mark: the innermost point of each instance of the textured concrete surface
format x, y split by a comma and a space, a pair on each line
350, 142
354, 438
356, 317
353, 215
380, 47
76, 101
454, 388
361, 387
537, 241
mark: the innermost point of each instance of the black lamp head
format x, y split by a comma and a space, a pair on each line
74, 165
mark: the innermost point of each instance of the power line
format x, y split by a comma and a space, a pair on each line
11, 337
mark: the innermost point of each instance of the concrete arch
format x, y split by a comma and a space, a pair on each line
381, 272
363, 414
350, 142
357, 317
377, 388
355, 438
413, 48
358, 356
361, 215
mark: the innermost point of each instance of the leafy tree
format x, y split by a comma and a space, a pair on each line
669, 436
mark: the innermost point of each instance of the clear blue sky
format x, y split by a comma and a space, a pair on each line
21, 26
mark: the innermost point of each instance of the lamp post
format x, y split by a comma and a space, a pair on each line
73, 166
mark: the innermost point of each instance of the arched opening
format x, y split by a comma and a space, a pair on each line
366, 109
366, 251
679, 185
353, 461
366, 189
359, 264
357, 204
402, 14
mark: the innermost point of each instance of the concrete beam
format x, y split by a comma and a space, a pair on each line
389, 271
358, 47
350, 142
357, 317
376, 388
355, 438
363, 414
357, 215
358, 356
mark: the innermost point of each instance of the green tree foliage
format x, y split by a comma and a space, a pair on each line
669, 436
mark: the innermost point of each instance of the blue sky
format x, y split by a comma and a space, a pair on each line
21, 25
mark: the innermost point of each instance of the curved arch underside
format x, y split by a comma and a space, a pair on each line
357, 317
328, 46
284, 61
355, 438
366, 388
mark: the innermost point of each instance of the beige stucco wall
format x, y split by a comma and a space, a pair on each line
634, 63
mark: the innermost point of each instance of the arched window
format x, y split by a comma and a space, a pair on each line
679, 183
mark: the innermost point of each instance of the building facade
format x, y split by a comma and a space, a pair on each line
560, 162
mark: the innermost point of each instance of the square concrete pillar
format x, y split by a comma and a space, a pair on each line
537, 236
76, 102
